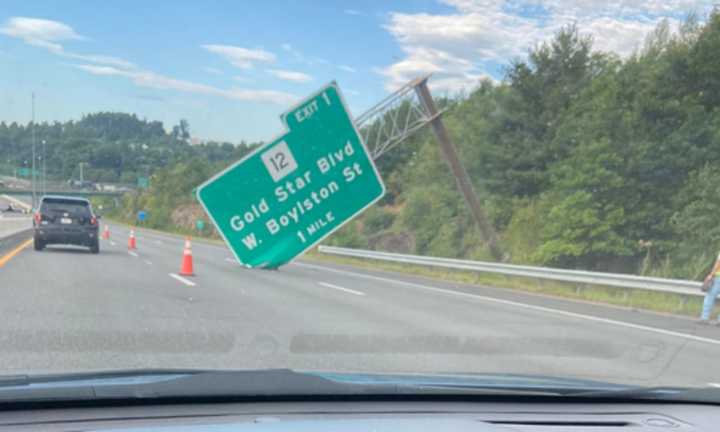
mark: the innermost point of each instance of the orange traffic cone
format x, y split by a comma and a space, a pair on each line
186, 267
131, 240
106, 233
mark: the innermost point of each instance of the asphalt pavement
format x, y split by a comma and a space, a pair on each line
65, 309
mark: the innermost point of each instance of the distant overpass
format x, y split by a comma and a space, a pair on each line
79, 193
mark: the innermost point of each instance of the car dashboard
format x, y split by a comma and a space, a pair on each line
376, 416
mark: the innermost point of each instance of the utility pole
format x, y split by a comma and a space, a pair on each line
81, 173
32, 178
44, 172
461, 177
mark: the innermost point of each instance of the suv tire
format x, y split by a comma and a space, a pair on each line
95, 247
38, 244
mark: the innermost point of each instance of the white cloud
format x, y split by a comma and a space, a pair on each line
353, 12
240, 57
47, 34
212, 70
455, 46
101, 59
347, 68
287, 75
622, 37
299, 57
144, 78
623, 8
457, 84
491, 34
150, 79
276, 97
34, 29
451, 72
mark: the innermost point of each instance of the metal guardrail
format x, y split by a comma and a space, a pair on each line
675, 286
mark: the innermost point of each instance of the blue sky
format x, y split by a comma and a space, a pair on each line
231, 67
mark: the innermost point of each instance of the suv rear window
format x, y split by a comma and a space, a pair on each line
59, 205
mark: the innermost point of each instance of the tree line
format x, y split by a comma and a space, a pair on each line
114, 147
583, 159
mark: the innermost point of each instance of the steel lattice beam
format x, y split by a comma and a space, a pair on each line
393, 119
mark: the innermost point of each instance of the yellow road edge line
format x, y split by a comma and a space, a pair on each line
14, 252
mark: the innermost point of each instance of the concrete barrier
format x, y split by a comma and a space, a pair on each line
10, 242
11, 224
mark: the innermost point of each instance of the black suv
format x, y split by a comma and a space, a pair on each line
65, 220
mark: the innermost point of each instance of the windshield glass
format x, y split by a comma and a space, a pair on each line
54, 205
522, 189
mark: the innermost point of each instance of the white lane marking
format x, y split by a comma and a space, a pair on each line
521, 305
148, 262
337, 287
112, 243
230, 260
716, 385
133, 253
158, 241
181, 279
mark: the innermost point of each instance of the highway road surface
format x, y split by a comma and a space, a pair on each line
65, 309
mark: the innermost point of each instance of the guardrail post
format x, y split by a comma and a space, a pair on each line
683, 303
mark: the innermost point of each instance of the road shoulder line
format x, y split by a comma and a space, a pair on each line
339, 288
181, 279
520, 305
8, 256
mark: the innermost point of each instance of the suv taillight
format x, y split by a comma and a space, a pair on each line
93, 220
38, 218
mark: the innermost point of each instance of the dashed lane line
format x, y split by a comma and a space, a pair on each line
339, 288
181, 279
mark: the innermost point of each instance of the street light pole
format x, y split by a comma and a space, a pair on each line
32, 178
44, 172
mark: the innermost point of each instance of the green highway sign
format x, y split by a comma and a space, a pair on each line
25, 172
292, 192
143, 182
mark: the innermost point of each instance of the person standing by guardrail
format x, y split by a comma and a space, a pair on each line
711, 285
